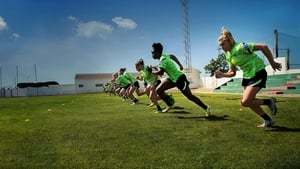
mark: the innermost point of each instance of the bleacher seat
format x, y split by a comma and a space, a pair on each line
276, 84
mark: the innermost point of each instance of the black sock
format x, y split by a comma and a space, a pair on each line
204, 107
265, 117
167, 100
266, 101
158, 108
135, 100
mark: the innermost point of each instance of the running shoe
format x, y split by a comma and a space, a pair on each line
158, 111
208, 111
266, 123
166, 109
151, 105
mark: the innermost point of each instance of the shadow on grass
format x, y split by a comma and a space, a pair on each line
180, 112
282, 129
210, 118
177, 108
239, 98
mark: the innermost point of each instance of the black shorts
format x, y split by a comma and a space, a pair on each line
157, 83
259, 80
136, 85
182, 82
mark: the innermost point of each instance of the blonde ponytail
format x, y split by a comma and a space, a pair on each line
226, 35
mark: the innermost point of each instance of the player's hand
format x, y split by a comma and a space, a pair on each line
181, 67
276, 66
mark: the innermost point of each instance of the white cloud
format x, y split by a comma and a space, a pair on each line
93, 28
3, 24
72, 18
125, 23
15, 36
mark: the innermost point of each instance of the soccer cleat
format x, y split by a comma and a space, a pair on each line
266, 123
158, 111
151, 105
166, 109
208, 112
273, 106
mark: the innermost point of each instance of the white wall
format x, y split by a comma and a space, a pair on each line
89, 85
194, 78
42, 91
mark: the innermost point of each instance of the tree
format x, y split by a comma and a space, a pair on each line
219, 63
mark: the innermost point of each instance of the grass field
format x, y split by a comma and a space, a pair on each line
99, 131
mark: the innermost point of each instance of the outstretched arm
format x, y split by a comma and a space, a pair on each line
177, 61
266, 51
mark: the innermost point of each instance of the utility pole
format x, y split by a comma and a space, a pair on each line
35, 74
17, 81
276, 42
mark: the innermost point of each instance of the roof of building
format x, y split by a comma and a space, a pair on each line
96, 75
93, 76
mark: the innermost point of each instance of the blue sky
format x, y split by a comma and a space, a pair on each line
65, 37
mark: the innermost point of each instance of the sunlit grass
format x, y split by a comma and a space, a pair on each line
102, 131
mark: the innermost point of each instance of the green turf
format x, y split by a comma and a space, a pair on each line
101, 131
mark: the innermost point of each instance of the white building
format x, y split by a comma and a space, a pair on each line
193, 77
91, 83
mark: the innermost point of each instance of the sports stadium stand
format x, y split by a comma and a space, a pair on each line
276, 84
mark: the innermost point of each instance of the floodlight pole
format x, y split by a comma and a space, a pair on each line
187, 41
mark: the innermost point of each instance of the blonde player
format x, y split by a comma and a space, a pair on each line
243, 55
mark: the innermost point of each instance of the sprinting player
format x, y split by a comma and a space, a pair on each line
122, 83
176, 78
152, 81
243, 55
107, 88
133, 87
113, 88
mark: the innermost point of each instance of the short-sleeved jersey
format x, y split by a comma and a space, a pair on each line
122, 81
130, 77
170, 68
148, 76
243, 56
